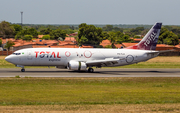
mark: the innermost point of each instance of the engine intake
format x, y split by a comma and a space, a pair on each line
74, 65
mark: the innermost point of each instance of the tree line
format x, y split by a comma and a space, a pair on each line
87, 34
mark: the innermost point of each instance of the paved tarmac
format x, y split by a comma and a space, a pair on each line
104, 72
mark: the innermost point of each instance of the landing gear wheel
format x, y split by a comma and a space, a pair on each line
22, 70
91, 70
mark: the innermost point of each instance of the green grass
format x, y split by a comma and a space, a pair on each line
62, 91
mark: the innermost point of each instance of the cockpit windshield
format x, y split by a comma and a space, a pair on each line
16, 53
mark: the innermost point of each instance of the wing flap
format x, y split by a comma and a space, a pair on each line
105, 62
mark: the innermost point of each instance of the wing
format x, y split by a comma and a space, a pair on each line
104, 62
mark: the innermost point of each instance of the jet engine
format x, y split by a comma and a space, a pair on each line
75, 65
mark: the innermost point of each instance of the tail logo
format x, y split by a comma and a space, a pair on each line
150, 38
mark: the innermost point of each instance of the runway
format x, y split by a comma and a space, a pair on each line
104, 72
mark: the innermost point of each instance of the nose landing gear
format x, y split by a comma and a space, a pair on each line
22, 70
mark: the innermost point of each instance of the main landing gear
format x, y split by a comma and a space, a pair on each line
22, 70
91, 70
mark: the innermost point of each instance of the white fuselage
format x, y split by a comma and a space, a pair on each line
61, 56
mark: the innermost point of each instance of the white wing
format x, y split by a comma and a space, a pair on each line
105, 62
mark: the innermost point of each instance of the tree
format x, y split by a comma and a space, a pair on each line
111, 28
140, 28
126, 38
113, 39
108, 46
64, 27
163, 34
168, 27
28, 31
72, 27
55, 34
83, 40
17, 28
172, 39
69, 31
105, 35
6, 29
168, 37
93, 34
32, 32
137, 31
117, 29
176, 30
9, 44
119, 34
46, 37
178, 36
137, 36
18, 36
118, 37
46, 31
144, 32
108, 28
27, 37
0, 42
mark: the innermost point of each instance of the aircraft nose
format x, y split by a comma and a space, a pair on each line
8, 58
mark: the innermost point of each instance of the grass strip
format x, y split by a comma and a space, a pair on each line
115, 108
88, 91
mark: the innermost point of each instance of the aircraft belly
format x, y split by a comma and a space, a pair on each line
19, 61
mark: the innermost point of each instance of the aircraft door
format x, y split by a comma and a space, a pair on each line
79, 56
29, 57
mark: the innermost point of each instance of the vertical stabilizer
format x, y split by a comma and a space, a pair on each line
149, 41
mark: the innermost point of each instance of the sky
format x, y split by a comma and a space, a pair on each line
91, 11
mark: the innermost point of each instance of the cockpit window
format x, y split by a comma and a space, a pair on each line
16, 53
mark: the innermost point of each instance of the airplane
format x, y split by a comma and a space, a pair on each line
80, 59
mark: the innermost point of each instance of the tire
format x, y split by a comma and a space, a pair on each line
22, 70
91, 70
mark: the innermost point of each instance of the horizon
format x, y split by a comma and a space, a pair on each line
88, 24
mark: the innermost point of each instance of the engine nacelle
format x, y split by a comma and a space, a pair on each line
75, 65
